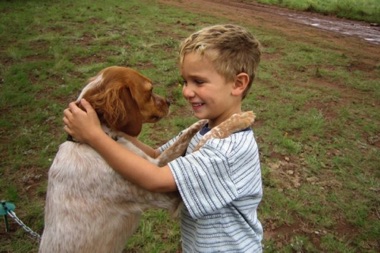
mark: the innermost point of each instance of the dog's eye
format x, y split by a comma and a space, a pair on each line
150, 92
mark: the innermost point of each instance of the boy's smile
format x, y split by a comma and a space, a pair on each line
208, 92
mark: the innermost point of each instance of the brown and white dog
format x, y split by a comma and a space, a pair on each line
89, 207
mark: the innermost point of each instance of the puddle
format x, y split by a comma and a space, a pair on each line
368, 32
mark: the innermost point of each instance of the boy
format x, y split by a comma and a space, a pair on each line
221, 183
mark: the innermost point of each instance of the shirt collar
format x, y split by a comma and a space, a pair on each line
205, 129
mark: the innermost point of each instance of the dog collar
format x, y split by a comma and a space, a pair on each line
70, 138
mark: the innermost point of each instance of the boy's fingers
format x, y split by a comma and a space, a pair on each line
67, 129
65, 119
72, 107
86, 105
66, 113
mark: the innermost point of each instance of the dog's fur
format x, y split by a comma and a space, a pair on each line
90, 208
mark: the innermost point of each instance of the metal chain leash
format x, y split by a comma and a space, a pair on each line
6, 208
25, 227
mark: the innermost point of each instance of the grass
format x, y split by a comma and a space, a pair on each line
317, 124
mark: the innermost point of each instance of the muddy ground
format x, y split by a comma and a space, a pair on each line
351, 37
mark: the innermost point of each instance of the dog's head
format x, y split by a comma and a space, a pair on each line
124, 99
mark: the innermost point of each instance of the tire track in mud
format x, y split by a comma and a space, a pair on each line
363, 30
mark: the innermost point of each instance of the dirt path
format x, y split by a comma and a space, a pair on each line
359, 39
365, 31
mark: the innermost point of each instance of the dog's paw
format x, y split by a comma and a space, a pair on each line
235, 123
194, 128
179, 147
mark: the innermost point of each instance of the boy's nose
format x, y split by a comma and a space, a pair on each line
187, 91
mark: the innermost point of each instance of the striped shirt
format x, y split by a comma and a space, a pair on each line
221, 188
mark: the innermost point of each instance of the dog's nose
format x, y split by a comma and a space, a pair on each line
168, 102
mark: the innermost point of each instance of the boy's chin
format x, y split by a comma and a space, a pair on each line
199, 115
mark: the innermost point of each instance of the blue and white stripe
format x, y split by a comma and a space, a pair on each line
221, 187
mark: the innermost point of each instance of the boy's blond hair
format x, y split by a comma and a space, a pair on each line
231, 49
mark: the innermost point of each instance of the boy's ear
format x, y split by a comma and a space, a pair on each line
241, 83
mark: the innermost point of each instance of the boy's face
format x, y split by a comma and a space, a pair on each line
209, 94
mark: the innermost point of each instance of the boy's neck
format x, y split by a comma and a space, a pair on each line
222, 118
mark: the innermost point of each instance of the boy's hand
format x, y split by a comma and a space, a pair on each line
82, 125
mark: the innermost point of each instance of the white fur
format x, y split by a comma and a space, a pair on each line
92, 84
89, 207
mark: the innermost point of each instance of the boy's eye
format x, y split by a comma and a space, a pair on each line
197, 81
192, 81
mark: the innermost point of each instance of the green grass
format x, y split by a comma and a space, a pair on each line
317, 124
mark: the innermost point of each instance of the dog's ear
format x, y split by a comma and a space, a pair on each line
131, 122
116, 108
139, 86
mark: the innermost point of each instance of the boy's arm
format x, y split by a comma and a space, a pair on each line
154, 153
85, 127
132, 167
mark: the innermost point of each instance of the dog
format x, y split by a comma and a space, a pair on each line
90, 208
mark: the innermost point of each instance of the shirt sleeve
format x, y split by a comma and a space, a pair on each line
204, 179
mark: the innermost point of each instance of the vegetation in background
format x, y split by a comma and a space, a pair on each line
318, 121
